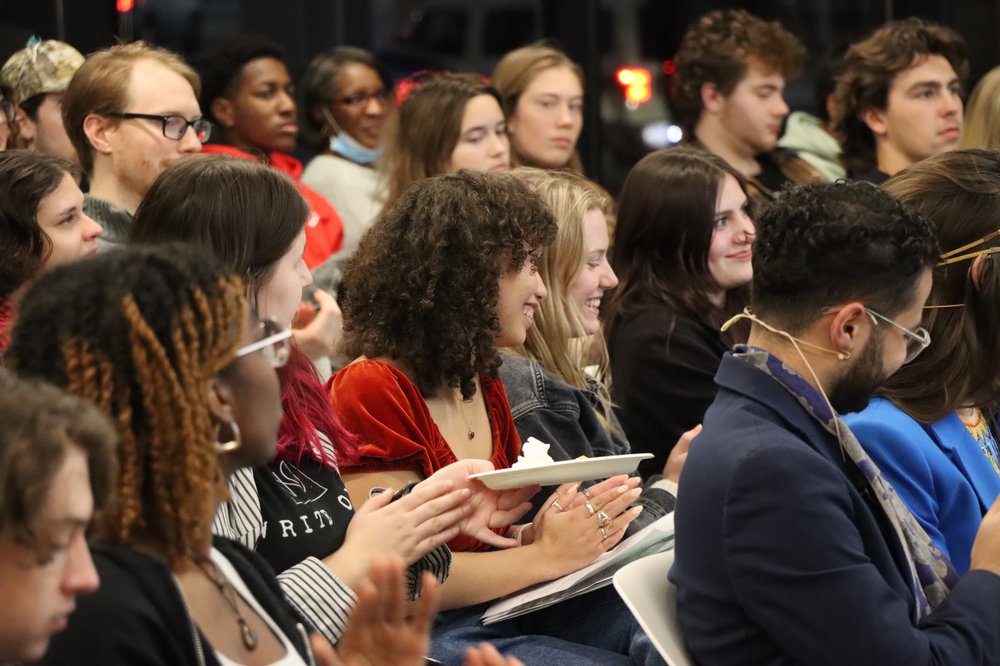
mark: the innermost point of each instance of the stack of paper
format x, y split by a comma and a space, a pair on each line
656, 537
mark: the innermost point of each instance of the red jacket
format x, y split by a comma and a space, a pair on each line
324, 230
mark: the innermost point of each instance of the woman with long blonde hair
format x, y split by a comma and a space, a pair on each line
557, 381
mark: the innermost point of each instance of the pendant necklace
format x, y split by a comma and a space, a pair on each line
247, 633
468, 422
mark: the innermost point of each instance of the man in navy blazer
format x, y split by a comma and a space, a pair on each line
786, 552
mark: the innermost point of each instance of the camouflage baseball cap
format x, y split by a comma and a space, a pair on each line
41, 67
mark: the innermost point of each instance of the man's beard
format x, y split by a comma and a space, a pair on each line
852, 391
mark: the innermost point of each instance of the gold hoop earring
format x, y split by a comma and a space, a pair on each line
231, 445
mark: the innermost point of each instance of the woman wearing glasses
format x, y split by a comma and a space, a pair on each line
42, 225
346, 98
295, 510
932, 430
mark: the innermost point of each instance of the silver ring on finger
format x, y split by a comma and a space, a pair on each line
604, 533
586, 493
590, 508
603, 519
557, 505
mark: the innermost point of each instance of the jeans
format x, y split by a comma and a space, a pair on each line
595, 629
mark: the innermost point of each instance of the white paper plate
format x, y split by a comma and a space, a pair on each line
563, 471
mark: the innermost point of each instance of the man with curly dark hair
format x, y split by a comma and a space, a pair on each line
792, 548
728, 96
899, 98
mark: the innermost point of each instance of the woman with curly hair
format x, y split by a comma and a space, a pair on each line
552, 397
253, 219
681, 250
42, 224
450, 121
446, 276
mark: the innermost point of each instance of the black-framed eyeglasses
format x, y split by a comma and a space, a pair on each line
174, 127
275, 344
360, 99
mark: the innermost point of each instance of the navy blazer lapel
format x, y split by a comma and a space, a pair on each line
743, 378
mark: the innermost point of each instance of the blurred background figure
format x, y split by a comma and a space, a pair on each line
729, 96
542, 93
250, 95
899, 98
39, 75
8, 118
447, 122
347, 96
982, 115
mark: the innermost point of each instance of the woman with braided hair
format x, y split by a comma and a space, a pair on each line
295, 511
164, 342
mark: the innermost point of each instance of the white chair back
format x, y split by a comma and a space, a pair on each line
652, 599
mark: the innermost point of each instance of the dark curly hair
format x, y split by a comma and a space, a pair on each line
422, 287
719, 47
139, 332
220, 67
867, 72
820, 245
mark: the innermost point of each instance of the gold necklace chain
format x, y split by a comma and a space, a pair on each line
247, 633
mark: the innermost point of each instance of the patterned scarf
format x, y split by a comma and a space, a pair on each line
931, 573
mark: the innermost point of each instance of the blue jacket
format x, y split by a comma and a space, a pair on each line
783, 558
938, 470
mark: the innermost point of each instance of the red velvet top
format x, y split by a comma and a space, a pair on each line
380, 405
324, 230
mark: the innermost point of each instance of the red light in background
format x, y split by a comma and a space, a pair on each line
124, 6
669, 68
636, 83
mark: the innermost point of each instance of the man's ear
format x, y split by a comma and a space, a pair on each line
26, 126
875, 120
97, 129
712, 100
223, 110
846, 334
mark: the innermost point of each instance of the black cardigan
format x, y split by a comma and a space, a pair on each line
138, 616
663, 380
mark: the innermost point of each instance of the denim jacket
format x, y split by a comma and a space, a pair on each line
565, 417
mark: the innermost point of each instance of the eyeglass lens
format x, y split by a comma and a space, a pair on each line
174, 127
278, 351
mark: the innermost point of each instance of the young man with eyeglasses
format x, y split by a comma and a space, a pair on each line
792, 547
131, 111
